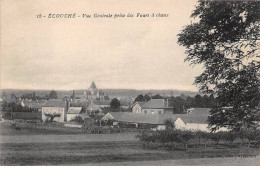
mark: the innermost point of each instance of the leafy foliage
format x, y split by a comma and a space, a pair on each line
226, 42
50, 117
115, 104
142, 98
78, 119
188, 137
53, 94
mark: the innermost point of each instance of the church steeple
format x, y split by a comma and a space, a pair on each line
93, 88
93, 85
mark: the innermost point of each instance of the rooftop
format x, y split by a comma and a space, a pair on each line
55, 103
155, 104
139, 118
74, 110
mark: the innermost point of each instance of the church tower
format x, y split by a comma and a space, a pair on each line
93, 88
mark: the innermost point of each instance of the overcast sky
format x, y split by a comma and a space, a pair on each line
136, 53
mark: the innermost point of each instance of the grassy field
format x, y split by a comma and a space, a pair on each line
27, 147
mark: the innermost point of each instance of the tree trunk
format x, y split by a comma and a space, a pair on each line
172, 146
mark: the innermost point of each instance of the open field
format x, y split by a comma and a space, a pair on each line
190, 162
46, 148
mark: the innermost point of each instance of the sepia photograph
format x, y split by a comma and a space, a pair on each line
130, 83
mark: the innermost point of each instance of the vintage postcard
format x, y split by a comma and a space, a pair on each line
130, 83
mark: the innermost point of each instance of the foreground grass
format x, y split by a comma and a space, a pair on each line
61, 150
101, 152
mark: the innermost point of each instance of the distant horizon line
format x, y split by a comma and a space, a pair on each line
99, 88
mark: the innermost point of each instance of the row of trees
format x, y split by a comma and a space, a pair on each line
14, 107
174, 136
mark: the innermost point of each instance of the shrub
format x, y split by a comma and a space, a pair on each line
216, 137
252, 135
185, 136
229, 136
78, 119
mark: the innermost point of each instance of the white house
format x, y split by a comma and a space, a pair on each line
55, 107
137, 107
197, 119
153, 106
73, 112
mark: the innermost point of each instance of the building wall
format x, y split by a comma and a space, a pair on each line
201, 127
137, 109
153, 111
52, 110
71, 116
161, 127
179, 124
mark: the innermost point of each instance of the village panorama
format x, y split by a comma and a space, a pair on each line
67, 114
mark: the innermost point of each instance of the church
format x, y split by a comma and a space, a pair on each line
93, 93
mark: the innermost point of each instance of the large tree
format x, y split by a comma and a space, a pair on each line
53, 94
115, 104
225, 39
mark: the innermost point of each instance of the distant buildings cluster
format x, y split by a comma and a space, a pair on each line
153, 112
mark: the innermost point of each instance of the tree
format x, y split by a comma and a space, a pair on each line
185, 136
53, 94
169, 123
115, 104
226, 41
78, 119
142, 98
146, 98
139, 98
73, 95
50, 117
198, 101
157, 96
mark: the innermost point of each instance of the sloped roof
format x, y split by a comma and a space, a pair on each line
201, 111
80, 103
33, 104
141, 103
74, 110
85, 116
55, 103
125, 103
93, 85
155, 104
93, 107
139, 118
154, 118
191, 118
100, 114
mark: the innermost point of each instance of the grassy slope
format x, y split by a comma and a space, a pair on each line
93, 152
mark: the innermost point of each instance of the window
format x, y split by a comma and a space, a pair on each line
145, 111
159, 112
